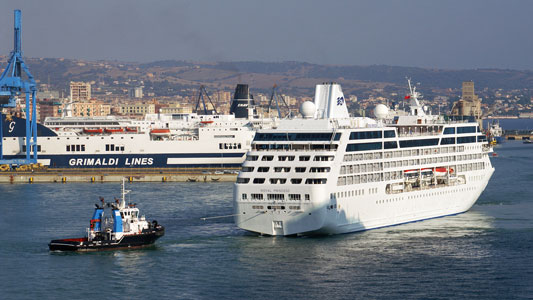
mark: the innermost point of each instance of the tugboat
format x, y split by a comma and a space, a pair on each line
122, 229
495, 133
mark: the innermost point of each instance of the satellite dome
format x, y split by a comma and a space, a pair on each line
381, 111
307, 109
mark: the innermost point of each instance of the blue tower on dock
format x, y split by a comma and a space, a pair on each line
12, 85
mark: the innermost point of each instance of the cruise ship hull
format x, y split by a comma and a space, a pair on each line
363, 212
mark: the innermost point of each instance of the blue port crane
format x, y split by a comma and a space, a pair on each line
12, 85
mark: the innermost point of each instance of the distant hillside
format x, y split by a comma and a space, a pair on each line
169, 77
435, 78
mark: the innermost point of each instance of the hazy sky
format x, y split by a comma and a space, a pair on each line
425, 33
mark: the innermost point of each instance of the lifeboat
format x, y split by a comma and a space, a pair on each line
114, 130
93, 130
128, 129
410, 172
160, 131
440, 171
207, 122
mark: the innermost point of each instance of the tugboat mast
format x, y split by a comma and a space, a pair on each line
124, 192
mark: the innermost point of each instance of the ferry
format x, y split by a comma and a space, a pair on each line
125, 228
158, 141
329, 173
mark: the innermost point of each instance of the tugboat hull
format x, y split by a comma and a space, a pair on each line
143, 239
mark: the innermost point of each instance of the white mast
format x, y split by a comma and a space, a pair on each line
414, 104
124, 192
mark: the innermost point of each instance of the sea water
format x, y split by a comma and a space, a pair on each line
486, 253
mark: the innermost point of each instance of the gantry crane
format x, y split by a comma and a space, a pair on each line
12, 85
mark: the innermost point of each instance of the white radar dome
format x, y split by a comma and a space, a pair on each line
381, 111
307, 109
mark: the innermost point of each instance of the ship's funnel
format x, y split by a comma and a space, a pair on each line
330, 102
242, 101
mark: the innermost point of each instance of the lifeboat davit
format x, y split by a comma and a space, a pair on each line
114, 130
160, 131
93, 130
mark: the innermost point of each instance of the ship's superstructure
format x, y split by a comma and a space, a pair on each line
327, 173
157, 141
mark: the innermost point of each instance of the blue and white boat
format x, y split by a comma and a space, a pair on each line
124, 228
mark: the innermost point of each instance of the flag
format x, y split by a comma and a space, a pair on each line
407, 97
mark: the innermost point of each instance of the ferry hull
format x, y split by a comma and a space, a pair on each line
169, 160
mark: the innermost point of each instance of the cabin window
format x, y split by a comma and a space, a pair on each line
307, 136
315, 181
259, 180
466, 139
447, 141
295, 197
419, 143
257, 196
449, 130
390, 145
468, 129
322, 158
243, 180
296, 180
364, 147
389, 134
275, 196
363, 135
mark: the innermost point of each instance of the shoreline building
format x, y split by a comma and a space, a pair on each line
80, 91
469, 105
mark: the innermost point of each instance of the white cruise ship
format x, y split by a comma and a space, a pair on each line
328, 173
